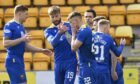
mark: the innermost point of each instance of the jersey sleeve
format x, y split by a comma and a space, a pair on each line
53, 39
116, 50
81, 35
7, 32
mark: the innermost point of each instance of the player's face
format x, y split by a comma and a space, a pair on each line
23, 16
75, 22
56, 18
95, 23
88, 16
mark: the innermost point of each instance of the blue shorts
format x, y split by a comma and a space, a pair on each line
15, 71
120, 78
87, 75
65, 72
103, 78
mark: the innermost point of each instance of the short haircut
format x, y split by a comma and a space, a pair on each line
74, 14
97, 18
53, 10
20, 8
92, 11
103, 22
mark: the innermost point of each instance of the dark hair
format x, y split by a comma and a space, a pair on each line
74, 14
92, 11
20, 8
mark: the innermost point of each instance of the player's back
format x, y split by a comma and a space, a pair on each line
62, 50
101, 48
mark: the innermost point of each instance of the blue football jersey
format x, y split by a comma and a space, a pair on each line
102, 44
84, 35
62, 50
13, 30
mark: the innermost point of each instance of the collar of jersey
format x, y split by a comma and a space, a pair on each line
15, 21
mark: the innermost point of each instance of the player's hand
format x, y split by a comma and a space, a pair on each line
114, 75
123, 41
47, 52
26, 37
62, 28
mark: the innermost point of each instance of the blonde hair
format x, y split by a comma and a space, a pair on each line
103, 22
53, 10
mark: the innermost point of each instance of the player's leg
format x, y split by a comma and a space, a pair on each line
59, 74
120, 78
87, 76
16, 72
70, 73
103, 78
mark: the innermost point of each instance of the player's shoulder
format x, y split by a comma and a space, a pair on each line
10, 25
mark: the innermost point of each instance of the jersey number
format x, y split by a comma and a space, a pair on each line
98, 49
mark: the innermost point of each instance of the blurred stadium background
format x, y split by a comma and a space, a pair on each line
124, 16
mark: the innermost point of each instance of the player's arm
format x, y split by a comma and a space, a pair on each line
7, 42
54, 40
36, 49
78, 39
75, 43
113, 66
115, 49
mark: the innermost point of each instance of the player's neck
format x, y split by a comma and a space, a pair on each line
17, 20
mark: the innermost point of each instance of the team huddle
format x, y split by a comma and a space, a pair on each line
97, 50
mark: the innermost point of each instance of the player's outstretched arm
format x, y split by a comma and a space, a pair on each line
7, 42
36, 49
113, 66
117, 50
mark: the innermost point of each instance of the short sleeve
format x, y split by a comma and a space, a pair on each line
7, 32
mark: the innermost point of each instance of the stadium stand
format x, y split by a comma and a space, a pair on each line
58, 2
66, 10
7, 3
92, 2
2, 60
112, 32
133, 14
117, 15
110, 1
75, 2
23, 2
40, 2
124, 32
27, 60
127, 1
48, 45
81, 9
101, 10
41, 61
44, 22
